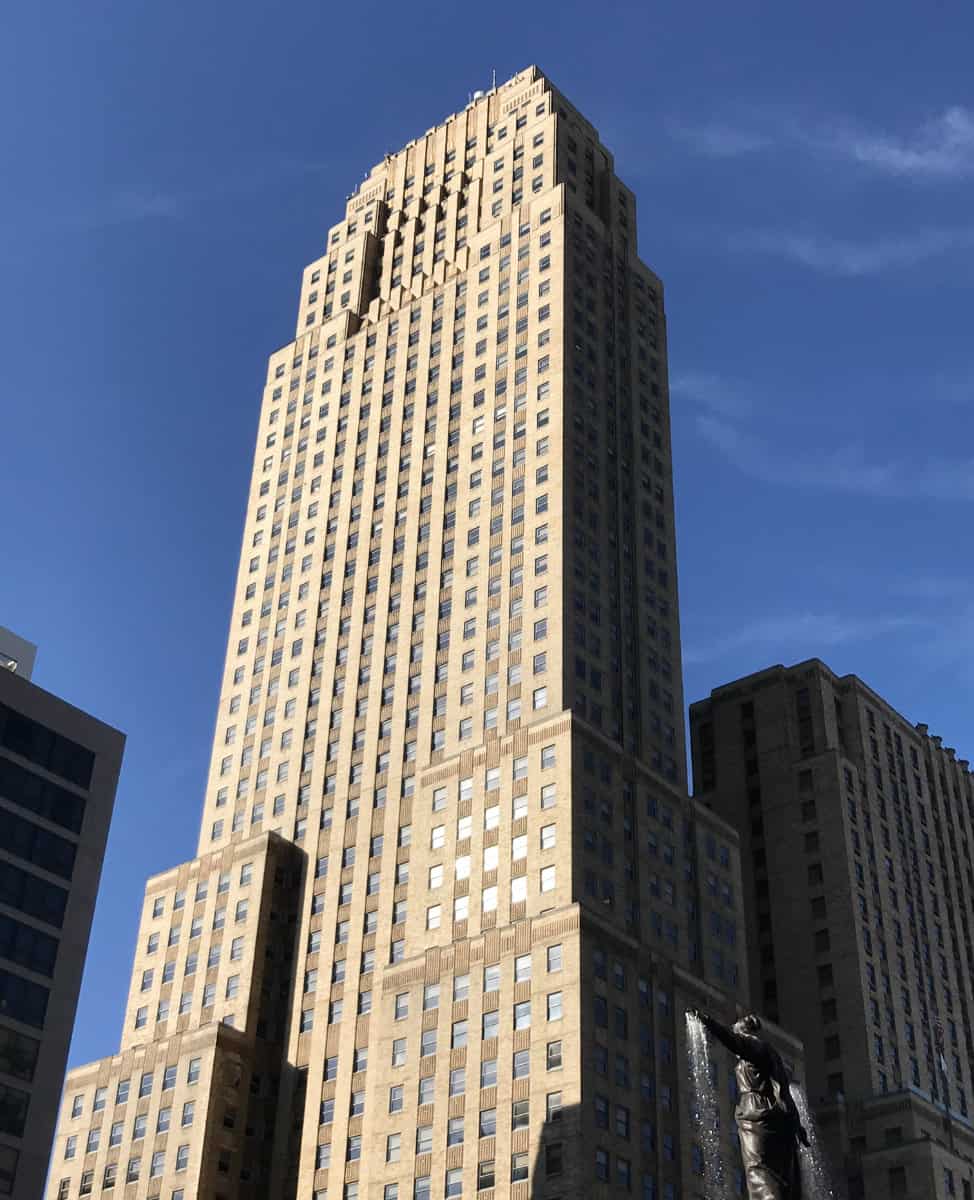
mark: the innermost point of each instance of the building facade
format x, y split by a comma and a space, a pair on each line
449, 731
857, 828
58, 773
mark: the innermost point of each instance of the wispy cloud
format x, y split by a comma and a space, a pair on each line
795, 635
941, 147
713, 392
144, 204
855, 259
174, 196
721, 141
843, 469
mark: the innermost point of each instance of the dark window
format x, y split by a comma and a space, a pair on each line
27, 946
28, 841
18, 1055
13, 1110
9, 1158
36, 897
27, 790
22, 1000
43, 746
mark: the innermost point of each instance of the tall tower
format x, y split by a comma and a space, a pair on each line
447, 908
860, 909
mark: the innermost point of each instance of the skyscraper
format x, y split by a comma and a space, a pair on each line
450, 896
858, 827
58, 772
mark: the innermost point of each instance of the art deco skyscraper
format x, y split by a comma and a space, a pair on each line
445, 911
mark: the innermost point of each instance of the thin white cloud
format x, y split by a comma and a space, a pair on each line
143, 204
132, 203
793, 636
939, 148
712, 392
844, 469
942, 147
855, 259
721, 141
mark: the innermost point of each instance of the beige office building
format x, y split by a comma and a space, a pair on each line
450, 897
58, 772
856, 833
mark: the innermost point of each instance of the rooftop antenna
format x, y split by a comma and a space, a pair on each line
493, 79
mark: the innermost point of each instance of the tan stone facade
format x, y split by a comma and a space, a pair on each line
858, 828
453, 685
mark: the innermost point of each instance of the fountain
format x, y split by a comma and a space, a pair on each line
705, 1109
780, 1149
816, 1177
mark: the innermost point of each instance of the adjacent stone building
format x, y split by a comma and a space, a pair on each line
58, 773
451, 898
856, 832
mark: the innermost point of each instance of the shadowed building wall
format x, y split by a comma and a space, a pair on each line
58, 773
857, 827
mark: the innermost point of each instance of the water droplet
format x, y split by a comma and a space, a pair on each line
706, 1108
816, 1177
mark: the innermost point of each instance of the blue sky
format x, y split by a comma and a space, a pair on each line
803, 176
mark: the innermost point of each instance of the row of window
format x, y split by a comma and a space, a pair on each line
139, 1129
131, 1173
123, 1089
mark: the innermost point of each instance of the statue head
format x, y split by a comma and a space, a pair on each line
750, 1023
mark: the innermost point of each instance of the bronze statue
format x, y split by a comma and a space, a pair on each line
768, 1123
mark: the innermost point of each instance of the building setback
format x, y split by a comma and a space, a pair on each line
58, 773
856, 832
450, 897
